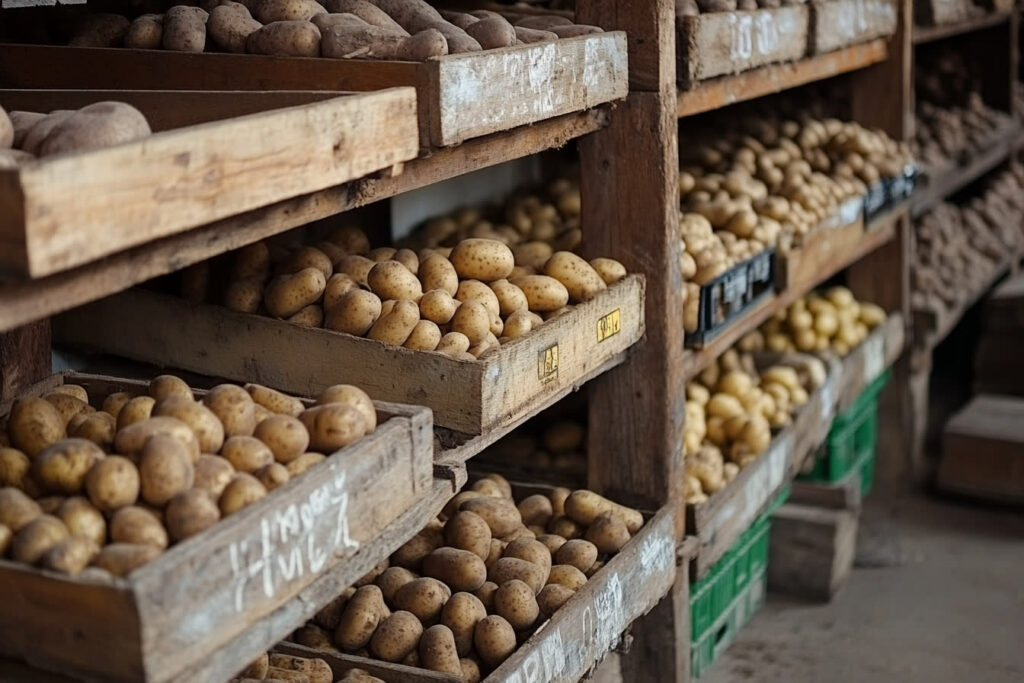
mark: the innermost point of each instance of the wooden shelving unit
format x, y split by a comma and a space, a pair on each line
927, 34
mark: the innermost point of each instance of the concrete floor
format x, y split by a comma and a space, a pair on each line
937, 597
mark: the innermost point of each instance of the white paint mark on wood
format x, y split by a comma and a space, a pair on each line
874, 357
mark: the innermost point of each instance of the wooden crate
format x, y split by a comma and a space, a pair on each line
823, 249
836, 24
722, 43
203, 163
983, 450
472, 397
210, 604
812, 550
580, 634
459, 96
937, 12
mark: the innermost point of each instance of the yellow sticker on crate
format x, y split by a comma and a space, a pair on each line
609, 325
547, 364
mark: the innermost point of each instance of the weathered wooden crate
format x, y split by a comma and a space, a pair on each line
579, 635
472, 397
812, 550
836, 24
937, 12
722, 43
210, 604
983, 450
822, 251
459, 96
204, 163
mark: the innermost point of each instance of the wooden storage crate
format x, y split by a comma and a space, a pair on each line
459, 96
203, 163
822, 250
209, 605
472, 397
579, 634
722, 43
983, 450
836, 24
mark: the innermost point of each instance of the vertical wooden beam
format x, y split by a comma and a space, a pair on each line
24, 358
883, 94
661, 639
650, 27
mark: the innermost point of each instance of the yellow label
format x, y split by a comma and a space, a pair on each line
609, 326
547, 364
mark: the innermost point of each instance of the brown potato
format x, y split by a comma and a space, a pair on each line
482, 259
396, 636
461, 570
472, 320
577, 553
113, 403
610, 270
98, 427
333, 426
137, 525
165, 470
391, 579
17, 509
543, 293
37, 538
338, 285
552, 597
461, 614
584, 507
508, 568
392, 280
515, 601
184, 29
351, 395
137, 409
423, 597
608, 533
425, 336
230, 23
286, 39
468, 531
531, 550
360, 618
286, 436
310, 316
247, 453
495, 640
579, 277
211, 474
303, 463
454, 344
317, 670
565, 527
438, 652
329, 616
120, 559
6, 538
535, 509
234, 407
71, 555
67, 405
267, 11
568, 576
355, 313
558, 497
273, 476
437, 273
131, 439
204, 423
241, 491
75, 390
165, 386
191, 512
82, 519
34, 424
410, 554
552, 542
257, 668
287, 294
274, 400
14, 467
500, 515
61, 467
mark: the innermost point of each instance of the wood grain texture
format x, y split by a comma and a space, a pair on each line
25, 301
650, 28
471, 397
721, 43
838, 23
983, 450
812, 551
72, 209
947, 24
210, 604
24, 358
725, 90
894, 77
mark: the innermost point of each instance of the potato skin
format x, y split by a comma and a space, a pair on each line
98, 427
516, 602
482, 259
71, 555
391, 579
461, 614
120, 559
461, 570
34, 424
552, 597
396, 636
130, 440
568, 576
437, 272
579, 277
203, 422
500, 515
466, 530
190, 512
352, 396
83, 519
286, 436
508, 568
137, 525
531, 550
234, 407
289, 39
438, 652
333, 426
535, 509
14, 467
392, 280
424, 597
165, 386
17, 509
543, 293
37, 537
608, 533
241, 491
584, 507
360, 618
135, 409
247, 453
211, 474
145, 32
165, 469
62, 467
275, 401
579, 553
495, 640
184, 29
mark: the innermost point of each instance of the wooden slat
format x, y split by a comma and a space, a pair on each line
24, 358
926, 34
71, 209
836, 24
726, 90
959, 176
22, 302
880, 232
983, 450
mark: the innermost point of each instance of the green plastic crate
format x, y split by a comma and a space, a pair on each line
724, 601
851, 441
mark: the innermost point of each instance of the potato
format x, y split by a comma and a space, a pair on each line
364, 611
289, 39
184, 29
472, 320
366, 11
273, 476
552, 542
495, 640
82, 519
610, 270
437, 272
268, 11
234, 407
468, 531
438, 306
543, 293
568, 576
71, 555
166, 386
203, 422
500, 515
35, 539
98, 427
14, 468
579, 553
303, 463
257, 668
565, 527
552, 597
307, 257
165, 469
286, 436
423, 597
392, 280
531, 550
100, 30
329, 616
113, 403
482, 259
355, 313
145, 32
493, 32
391, 579
17, 509
191, 512
287, 294
68, 406
410, 554
247, 453
353, 396
245, 295
535, 509
461, 570
494, 554
501, 482
61, 467
274, 400
338, 285
608, 533
355, 266
333, 426
579, 278
211, 474
584, 507
461, 614
396, 636
241, 491
508, 568
120, 559
34, 424
134, 524
317, 670
6, 538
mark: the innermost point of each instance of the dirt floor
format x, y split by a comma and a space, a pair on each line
937, 597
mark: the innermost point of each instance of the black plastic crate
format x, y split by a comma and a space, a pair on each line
732, 293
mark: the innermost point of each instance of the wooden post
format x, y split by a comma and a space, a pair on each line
24, 358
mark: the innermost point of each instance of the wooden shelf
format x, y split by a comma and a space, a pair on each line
880, 231
24, 301
946, 184
721, 92
927, 34
720, 521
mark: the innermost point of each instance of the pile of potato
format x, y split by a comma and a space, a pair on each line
946, 135
25, 135
769, 182
821, 321
410, 30
560, 446
958, 248
459, 595
693, 8
732, 408
114, 487
463, 301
